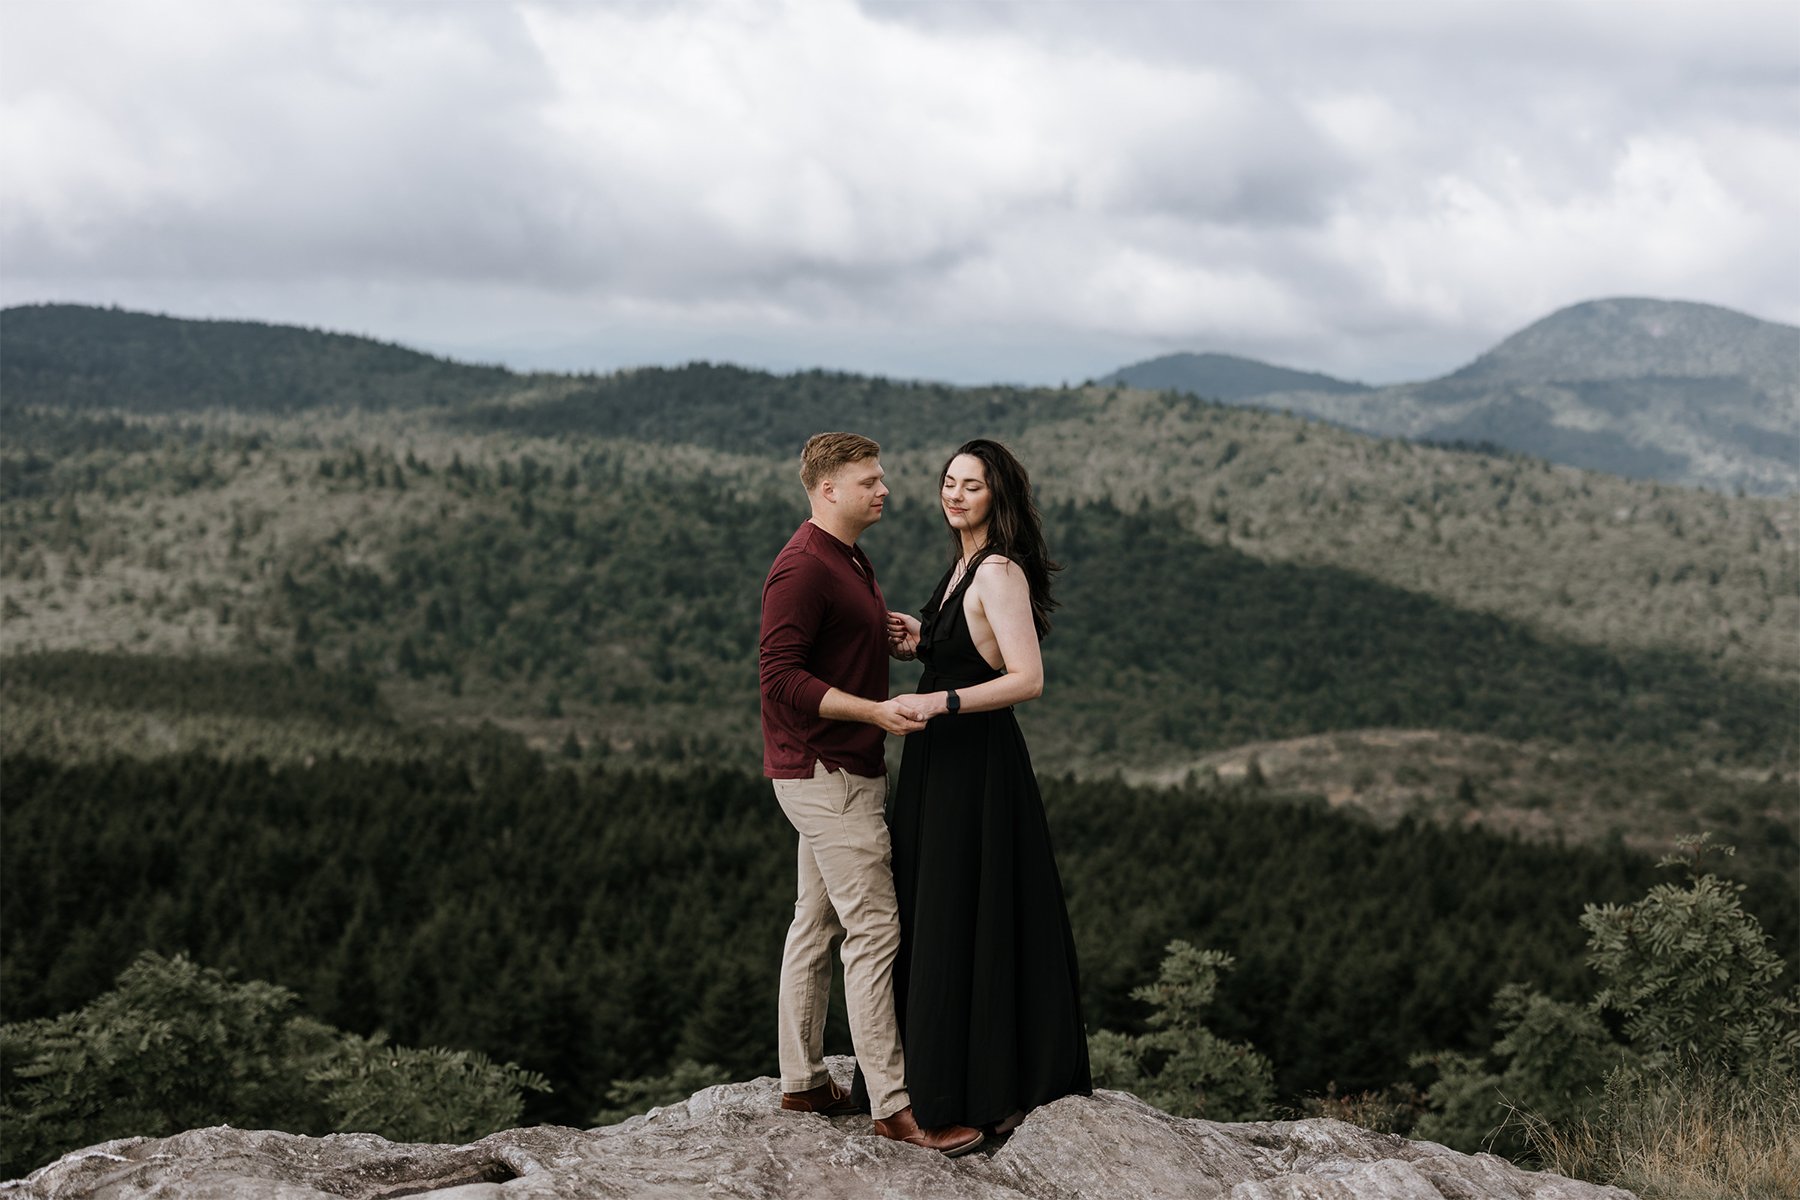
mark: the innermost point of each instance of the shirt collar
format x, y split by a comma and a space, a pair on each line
858, 559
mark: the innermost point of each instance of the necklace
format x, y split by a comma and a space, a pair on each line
962, 567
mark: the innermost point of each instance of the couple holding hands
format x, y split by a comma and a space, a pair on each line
959, 965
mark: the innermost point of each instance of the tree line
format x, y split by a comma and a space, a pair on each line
571, 587
597, 925
79, 357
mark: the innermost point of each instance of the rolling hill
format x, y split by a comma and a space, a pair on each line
315, 649
74, 357
1690, 394
1224, 377
576, 558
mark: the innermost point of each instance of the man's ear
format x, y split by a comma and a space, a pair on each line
828, 490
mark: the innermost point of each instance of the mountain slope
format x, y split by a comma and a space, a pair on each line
1590, 557
1628, 338
74, 356
1594, 557
1234, 576
739, 410
1224, 377
1683, 393
617, 582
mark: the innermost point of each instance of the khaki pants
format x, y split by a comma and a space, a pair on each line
846, 890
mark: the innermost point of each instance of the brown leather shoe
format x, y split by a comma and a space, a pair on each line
827, 1100
948, 1140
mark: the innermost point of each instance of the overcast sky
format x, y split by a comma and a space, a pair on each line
1028, 192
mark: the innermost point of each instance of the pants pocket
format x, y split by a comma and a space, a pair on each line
847, 793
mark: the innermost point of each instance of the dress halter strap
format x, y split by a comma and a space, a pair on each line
969, 571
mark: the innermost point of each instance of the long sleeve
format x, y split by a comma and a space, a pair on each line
794, 600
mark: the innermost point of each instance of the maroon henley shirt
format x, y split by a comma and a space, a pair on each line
824, 626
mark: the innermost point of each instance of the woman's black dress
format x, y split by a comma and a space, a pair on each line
986, 989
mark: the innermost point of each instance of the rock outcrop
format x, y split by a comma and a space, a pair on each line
733, 1141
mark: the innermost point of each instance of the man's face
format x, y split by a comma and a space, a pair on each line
858, 490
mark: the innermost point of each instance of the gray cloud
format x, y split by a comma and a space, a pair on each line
968, 191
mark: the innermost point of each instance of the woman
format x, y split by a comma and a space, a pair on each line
985, 985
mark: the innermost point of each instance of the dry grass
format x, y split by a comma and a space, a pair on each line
1684, 1137
56, 727
1532, 789
1395, 1109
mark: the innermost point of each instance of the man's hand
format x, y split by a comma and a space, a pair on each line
891, 715
903, 636
923, 706
896, 717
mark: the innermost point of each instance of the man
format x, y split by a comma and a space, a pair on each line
825, 713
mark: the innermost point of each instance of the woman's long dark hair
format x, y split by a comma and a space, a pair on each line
1014, 527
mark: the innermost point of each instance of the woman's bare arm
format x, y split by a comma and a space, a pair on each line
999, 596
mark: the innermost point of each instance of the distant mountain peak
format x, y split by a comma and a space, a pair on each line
1224, 377
1687, 393
1630, 337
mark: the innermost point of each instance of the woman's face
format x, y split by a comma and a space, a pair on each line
965, 495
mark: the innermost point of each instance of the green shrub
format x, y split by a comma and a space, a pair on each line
429, 1095
171, 1047
176, 1046
1549, 1059
1692, 974
628, 1097
1181, 1066
1711, 1049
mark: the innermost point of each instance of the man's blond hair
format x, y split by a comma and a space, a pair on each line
824, 453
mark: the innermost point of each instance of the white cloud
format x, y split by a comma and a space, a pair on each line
1378, 189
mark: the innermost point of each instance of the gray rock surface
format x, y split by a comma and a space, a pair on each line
733, 1141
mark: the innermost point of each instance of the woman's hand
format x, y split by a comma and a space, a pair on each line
903, 636
923, 705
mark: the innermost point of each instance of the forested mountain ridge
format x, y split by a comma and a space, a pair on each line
600, 597
1684, 393
1633, 338
1581, 554
74, 358
1224, 377
1690, 394
557, 556
78, 357
1588, 555
268, 660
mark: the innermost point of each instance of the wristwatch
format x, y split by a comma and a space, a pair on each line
952, 701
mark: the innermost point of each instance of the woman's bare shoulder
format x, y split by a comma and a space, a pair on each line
999, 576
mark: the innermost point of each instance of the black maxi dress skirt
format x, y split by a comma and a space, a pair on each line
986, 987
